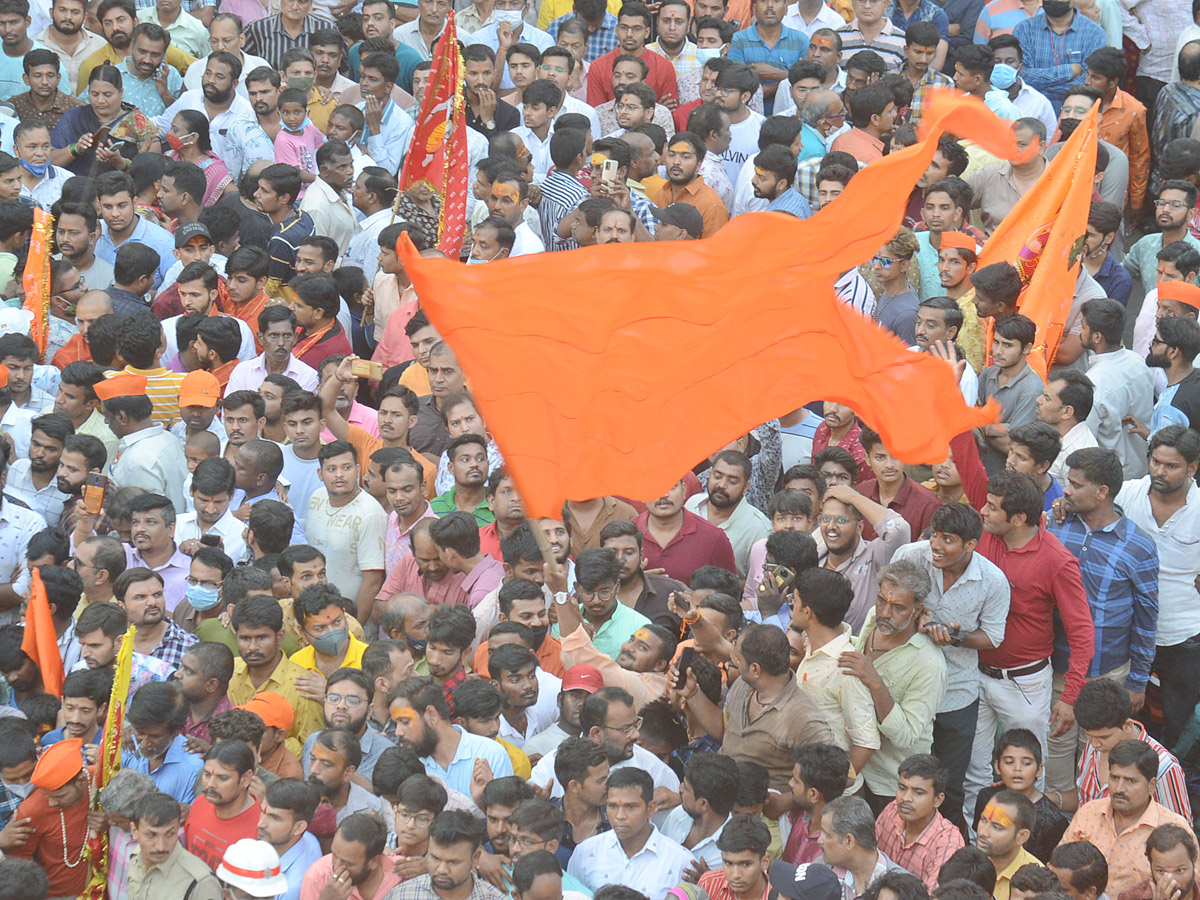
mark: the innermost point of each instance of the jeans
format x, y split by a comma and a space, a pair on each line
953, 736
1178, 670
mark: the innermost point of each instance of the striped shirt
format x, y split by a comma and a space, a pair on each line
1119, 566
282, 249
561, 193
267, 38
923, 856
686, 61
999, 17
792, 203
749, 47
889, 44
1170, 791
162, 387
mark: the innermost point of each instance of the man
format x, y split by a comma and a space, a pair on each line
735, 86
707, 795
160, 863
469, 467
121, 224
685, 153
1120, 824
1170, 850
277, 335
673, 26
1172, 211
287, 808
610, 622
1174, 341
272, 36
356, 862
848, 844
455, 848
769, 47
727, 506
973, 75
457, 537
422, 717
635, 853
372, 194
225, 812
69, 40
157, 714
140, 590
774, 172
1122, 119
1123, 385
278, 188
1010, 379
999, 186
76, 232
1104, 221
348, 697
1006, 52
225, 34
1004, 826
149, 457
873, 115
149, 82
872, 29
388, 127
921, 40
633, 30
910, 829
1076, 36
645, 592
325, 199
1064, 405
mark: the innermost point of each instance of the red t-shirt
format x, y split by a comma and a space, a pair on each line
207, 836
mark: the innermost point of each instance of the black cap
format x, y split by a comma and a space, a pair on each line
682, 215
808, 881
190, 232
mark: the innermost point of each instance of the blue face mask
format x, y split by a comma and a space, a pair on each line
37, 171
203, 598
332, 643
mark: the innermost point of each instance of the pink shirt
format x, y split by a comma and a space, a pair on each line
321, 871
407, 577
395, 542
299, 150
364, 417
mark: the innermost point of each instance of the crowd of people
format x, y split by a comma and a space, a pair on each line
359, 669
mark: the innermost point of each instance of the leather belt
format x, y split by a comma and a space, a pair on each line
992, 672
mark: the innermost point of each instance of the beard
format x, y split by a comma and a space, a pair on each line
120, 40
215, 95
1157, 360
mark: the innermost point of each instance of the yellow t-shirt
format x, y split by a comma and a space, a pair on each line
306, 657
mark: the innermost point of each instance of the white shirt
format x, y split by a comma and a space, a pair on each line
350, 536
218, 125
543, 772
47, 191
171, 354
195, 72
229, 528
216, 426
17, 526
530, 34
676, 826
409, 35
968, 383
331, 214
746, 525
302, 477
363, 250
538, 149
825, 18
249, 375
152, 460
17, 423
546, 740
1124, 387
538, 717
1178, 562
743, 144
1078, 438
652, 871
744, 200
527, 241
1033, 104
47, 501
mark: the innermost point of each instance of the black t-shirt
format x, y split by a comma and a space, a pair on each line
1048, 829
1187, 398
255, 228
506, 117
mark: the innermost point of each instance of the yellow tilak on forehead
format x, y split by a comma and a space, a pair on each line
506, 191
997, 814
404, 712
598, 159
759, 171
641, 634
681, 147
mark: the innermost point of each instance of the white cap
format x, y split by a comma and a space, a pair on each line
252, 866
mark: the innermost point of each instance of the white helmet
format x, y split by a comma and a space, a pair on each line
252, 866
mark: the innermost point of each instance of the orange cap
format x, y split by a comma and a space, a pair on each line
123, 384
58, 765
199, 388
3, 376
1181, 292
956, 240
272, 708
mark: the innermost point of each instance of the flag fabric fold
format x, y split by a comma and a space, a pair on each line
1043, 237
613, 369
437, 155
40, 641
35, 278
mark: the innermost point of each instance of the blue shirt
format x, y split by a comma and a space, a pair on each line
12, 73
812, 144
489, 36
791, 202
604, 40
295, 862
1117, 283
470, 748
53, 737
177, 773
1119, 567
405, 55
395, 133
144, 94
926, 11
749, 47
1049, 56
1052, 493
153, 236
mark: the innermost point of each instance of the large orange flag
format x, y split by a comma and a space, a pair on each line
1043, 237
612, 369
40, 642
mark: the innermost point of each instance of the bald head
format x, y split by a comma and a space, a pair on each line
819, 105
1189, 63
91, 306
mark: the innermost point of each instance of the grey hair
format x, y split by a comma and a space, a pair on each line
398, 608
816, 106
911, 576
852, 815
122, 792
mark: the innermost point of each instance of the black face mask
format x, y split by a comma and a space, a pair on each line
539, 635
1066, 127
1056, 9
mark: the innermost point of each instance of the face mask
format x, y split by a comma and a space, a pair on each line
37, 171
1004, 76
511, 16
19, 790
417, 645
202, 598
175, 142
539, 635
1056, 9
472, 261
303, 83
1066, 127
307, 121
332, 643
704, 54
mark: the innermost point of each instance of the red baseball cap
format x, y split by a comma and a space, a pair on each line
582, 678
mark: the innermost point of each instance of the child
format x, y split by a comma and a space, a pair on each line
419, 801
788, 511
42, 712
1019, 763
298, 139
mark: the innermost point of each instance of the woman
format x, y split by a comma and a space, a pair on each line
422, 207
126, 131
189, 141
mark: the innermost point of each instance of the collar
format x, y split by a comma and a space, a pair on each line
840, 642
143, 434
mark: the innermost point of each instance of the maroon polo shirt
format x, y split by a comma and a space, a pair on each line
698, 543
915, 503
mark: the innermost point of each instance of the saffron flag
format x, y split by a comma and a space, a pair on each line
613, 369
1043, 237
36, 278
437, 156
108, 764
40, 641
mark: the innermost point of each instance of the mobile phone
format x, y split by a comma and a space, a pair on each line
365, 368
93, 492
210, 540
685, 663
101, 135
609, 172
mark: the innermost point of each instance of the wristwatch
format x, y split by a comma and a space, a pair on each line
490, 124
562, 598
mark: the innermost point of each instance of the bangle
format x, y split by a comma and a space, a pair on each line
71, 150
691, 617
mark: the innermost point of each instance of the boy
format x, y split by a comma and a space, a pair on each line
1019, 764
477, 705
84, 707
419, 801
451, 634
789, 510
1012, 382
543, 99
298, 139
891, 487
1032, 449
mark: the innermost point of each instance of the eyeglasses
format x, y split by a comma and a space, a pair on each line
80, 564
839, 116
554, 70
351, 701
630, 29
628, 107
526, 841
884, 262
1173, 204
421, 820
1157, 340
826, 519
628, 730
606, 594
196, 582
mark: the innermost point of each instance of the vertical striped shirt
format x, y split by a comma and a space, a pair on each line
561, 193
1171, 788
267, 38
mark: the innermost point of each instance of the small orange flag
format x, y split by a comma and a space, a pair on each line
612, 369
40, 642
1043, 237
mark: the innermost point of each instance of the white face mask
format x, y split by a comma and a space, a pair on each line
704, 54
19, 790
511, 16
473, 261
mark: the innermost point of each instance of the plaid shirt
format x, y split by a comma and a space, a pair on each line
706, 743
926, 11
1175, 113
1171, 789
174, 644
568, 833
930, 80
8, 805
421, 888
603, 41
924, 856
1119, 565
449, 686
686, 61
1049, 56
